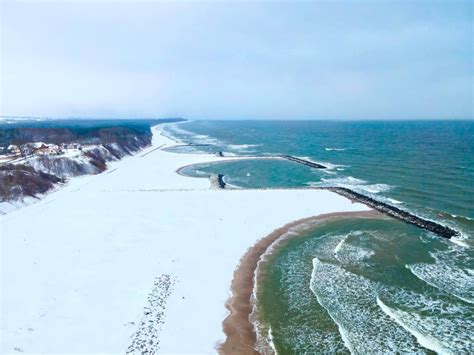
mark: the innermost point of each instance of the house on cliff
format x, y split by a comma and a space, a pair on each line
13, 149
46, 149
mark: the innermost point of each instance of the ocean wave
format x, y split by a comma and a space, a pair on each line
347, 253
350, 300
230, 184
461, 240
376, 188
243, 146
351, 254
178, 133
344, 181
328, 165
270, 340
423, 339
317, 333
205, 139
353, 183
462, 218
201, 173
174, 131
230, 154
392, 200
335, 149
437, 324
340, 244
451, 272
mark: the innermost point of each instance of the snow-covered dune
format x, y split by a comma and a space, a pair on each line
138, 253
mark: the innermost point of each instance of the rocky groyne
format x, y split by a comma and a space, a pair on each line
217, 181
311, 164
439, 229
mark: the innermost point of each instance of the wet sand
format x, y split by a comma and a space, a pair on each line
240, 332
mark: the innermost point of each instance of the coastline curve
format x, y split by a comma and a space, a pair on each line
238, 326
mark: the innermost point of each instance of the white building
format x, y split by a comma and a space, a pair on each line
13, 149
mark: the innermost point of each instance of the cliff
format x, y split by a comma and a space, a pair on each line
19, 181
30, 173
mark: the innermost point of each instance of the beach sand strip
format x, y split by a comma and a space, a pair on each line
240, 332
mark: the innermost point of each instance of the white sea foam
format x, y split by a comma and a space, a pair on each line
351, 254
172, 130
229, 184
243, 147
376, 188
328, 165
438, 324
422, 339
460, 241
353, 183
463, 217
450, 272
396, 202
270, 340
342, 331
339, 245
230, 154
343, 181
335, 149
348, 252
177, 133
306, 337
350, 300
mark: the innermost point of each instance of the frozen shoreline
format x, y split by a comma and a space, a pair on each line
79, 265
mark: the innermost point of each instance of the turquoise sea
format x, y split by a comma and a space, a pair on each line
360, 285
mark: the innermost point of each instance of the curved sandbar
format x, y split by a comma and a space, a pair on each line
240, 331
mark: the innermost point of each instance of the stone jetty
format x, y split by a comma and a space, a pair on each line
439, 229
217, 181
303, 161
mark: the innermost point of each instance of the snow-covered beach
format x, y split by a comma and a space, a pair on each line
136, 254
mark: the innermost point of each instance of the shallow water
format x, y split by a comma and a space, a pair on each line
361, 286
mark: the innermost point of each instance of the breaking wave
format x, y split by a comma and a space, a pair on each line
336, 149
353, 183
328, 165
243, 146
451, 272
350, 300
420, 314
424, 340
177, 133
349, 253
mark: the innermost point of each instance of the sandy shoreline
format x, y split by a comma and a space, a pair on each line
80, 266
239, 329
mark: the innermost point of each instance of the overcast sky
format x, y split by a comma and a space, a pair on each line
229, 60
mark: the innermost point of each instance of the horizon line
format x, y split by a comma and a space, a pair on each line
231, 119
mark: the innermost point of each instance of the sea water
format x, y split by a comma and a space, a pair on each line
360, 285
